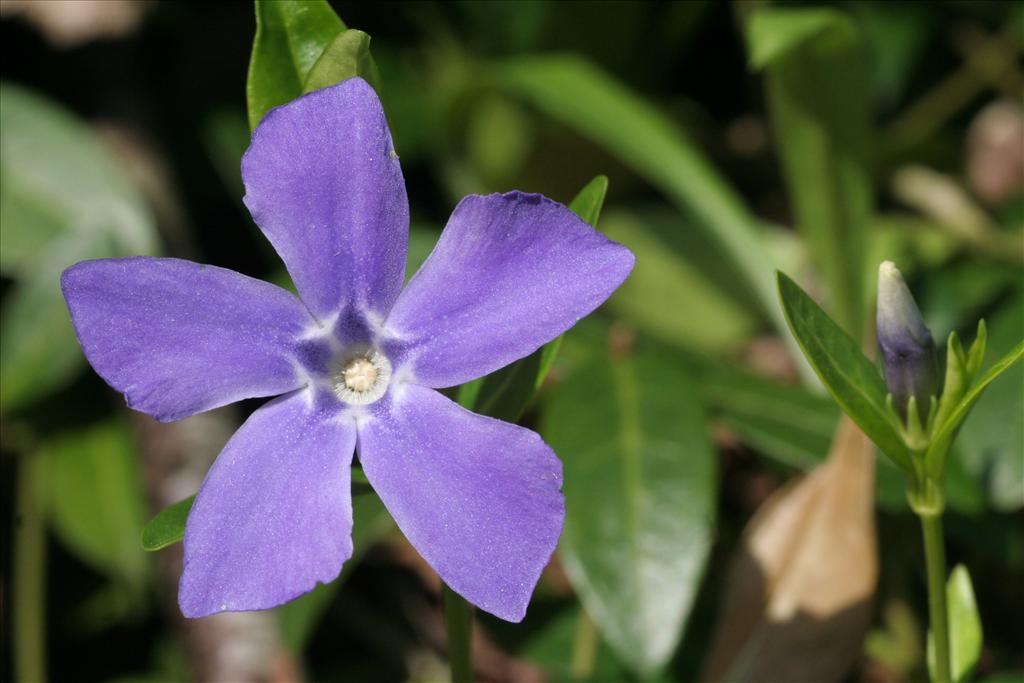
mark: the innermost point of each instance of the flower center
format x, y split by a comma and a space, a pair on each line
359, 375
362, 376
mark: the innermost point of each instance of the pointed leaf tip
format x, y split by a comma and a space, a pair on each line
852, 379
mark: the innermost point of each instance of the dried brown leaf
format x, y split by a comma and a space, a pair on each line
798, 598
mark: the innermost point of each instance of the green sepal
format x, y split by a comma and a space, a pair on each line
956, 405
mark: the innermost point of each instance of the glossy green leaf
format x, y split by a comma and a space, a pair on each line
816, 74
965, 635
854, 381
347, 56
95, 497
506, 393
63, 198
640, 481
298, 619
595, 104
168, 526
291, 35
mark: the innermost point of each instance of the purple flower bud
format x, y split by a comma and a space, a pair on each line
908, 350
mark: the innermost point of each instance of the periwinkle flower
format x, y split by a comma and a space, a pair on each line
908, 350
356, 362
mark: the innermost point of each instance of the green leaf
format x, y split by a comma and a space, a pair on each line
38, 349
506, 393
297, 619
59, 177
347, 56
588, 100
946, 431
701, 317
589, 201
853, 380
991, 444
965, 635
640, 498
95, 497
817, 83
550, 641
290, 37
774, 34
790, 424
63, 198
168, 527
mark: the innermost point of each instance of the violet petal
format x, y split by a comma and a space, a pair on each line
178, 338
480, 499
324, 184
274, 515
509, 273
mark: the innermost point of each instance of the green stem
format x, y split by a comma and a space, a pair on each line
28, 597
459, 616
935, 560
584, 653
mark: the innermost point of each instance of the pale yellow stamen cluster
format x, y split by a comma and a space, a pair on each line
362, 376
359, 375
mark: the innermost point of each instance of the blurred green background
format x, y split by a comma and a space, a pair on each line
737, 138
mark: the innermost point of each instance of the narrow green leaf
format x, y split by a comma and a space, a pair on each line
945, 432
290, 37
853, 380
347, 56
168, 527
817, 81
95, 497
595, 104
506, 393
965, 635
640, 498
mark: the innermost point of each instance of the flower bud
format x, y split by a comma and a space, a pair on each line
908, 350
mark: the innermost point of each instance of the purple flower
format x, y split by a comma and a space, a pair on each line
908, 350
356, 361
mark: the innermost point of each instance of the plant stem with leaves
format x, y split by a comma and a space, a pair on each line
913, 418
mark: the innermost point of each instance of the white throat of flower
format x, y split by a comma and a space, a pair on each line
361, 377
